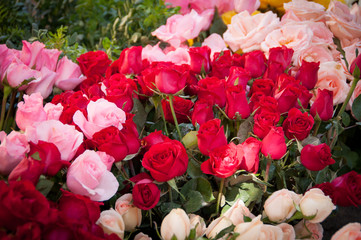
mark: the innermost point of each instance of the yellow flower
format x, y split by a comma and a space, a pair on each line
227, 16
190, 42
278, 4
325, 3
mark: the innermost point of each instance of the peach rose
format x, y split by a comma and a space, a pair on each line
237, 212
332, 77
315, 203
351, 231
306, 10
280, 206
198, 223
288, 231
111, 222
142, 236
344, 24
246, 32
307, 230
249, 230
177, 56
176, 223
217, 225
270, 232
315, 53
132, 216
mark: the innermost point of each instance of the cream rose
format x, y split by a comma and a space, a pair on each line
351, 231
270, 232
237, 212
111, 222
198, 223
132, 216
306, 10
288, 231
249, 230
315, 203
176, 223
217, 225
308, 230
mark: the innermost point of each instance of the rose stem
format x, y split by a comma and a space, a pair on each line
12, 101
7, 91
150, 217
170, 193
343, 107
165, 123
269, 162
174, 117
219, 195
317, 125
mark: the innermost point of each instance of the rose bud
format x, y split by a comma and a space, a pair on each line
217, 225
255, 63
271, 232
307, 74
28, 169
323, 104
264, 85
237, 212
356, 62
111, 222
236, 105
315, 203
222, 62
250, 148
307, 230
213, 87
210, 136
132, 216
145, 193
176, 223
202, 111
93, 63
249, 230
280, 206
182, 108
297, 124
169, 78
197, 223
238, 76
351, 231
316, 158
129, 62
264, 120
200, 59
287, 98
274, 144
281, 55
288, 231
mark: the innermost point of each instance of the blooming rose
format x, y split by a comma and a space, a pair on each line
264, 85
210, 136
68, 74
93, 63
177, 56
347, 189
153, 138
307, 230
43, 85
237, 212
217, 225
280, 206
315, 203
351, 231
176, 223
111, 222
89, 176
316, 158
166, 160
323, 105
274, 144
182, 108
145, 193
305, 10
53, 112
297, 124
264, 121
132, 216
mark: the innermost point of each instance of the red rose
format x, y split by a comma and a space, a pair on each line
146, 82
287, 98
274, 144
224, 161
237, 104
222, 62
202, 111
93, 63
264, 120
213, 87
166, 160
28, 231
283, 81
316, 158
28, 169
154, 138
348, 189
238, 75
356, 62
145, 194
262, 85
281, 55
255, 63
307, 74
251, 148
200, 59
182, 108
304, 97
297, 124
131, 134
210, 136
170, 78
273, 71
323, 104
129, 62
262, 102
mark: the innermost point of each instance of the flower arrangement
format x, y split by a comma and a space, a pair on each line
243, 135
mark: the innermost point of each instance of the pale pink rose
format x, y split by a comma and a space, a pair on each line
176, 223
307, 230
281, 205
201, 5
331, 76
13, 148
351, 231
288, 231
270, 232
30, 111
248, 5
197, 223
30, 53
44, 85
315, 203
177, 56
107, 159
321, 33
132, 216
306, 10
65, 137
53, 111
217, 225
68, 74
216, 43
48, 58
17, 72
88, 176
6, 58
142, 236
249, 230
101, 114
224, 6
183, 4
315, 53
343, 23
294, 35
246, 32
180, 28
237, 212
289, 16
111, 222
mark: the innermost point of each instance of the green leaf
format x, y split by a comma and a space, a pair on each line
356, 108
44, 186
225, 231
345, 118
140, 114
298, 215
323, 176
194, 169
218, 25
194, 201
247, 219
166, 207
253, 191
356, 73
205, 188
236, 193
352, 159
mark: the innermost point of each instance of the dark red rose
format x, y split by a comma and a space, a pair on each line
264, 120
273, 71
200, 59
221, 64
210, 136
255, 63
145, 194
304, 97
250, 148
170, 78
237, 104
307, 74
94, 92
154, 138
348, 189
262, 85
191, 85
316, 158
260, 102
238, 76
182, 108
323, 104
28, 169
93, 63
213, 87
166, 160
274, 144
129, 62
281, 55
283, 81
287, 98
297, 124
202, 111
328, 189
28, 231
223, 161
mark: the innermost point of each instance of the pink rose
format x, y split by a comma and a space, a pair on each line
48, 58
30, 53
305, 10
43, 85
101, 114
307, 230
65, 137
13, 148
30, 111
315, 53
249, 5
68, 74
216, 43
246, 32
6, 58
89, 176
351, 231
53, 112
17, 72
177, 56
